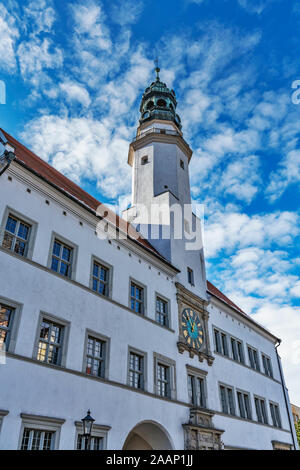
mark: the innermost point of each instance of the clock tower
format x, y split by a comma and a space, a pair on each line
161, 196
161, 210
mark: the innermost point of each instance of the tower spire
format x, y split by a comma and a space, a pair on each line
157, 69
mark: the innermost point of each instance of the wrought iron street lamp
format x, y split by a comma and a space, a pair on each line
87, 424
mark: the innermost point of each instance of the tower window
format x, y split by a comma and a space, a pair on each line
150, 105
182, 164
161, 103
144, 160
190, 274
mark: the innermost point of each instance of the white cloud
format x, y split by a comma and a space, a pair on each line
283, 321
234, 182
254, 6
90, 28
8, 36
82, 148
287, 173
40, 15
75, 92
126, 12
231, 230
36, 56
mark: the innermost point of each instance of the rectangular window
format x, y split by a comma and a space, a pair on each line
253, 359
244, 405
218, 341
136, 370
137, 298
6, 318
190, 275
95, 443
95, 357
50, 342
227, 400
196, 388
16, 235
162, 313
100, 279
224, 344
267, 366
163, 380
61, 259
275, 415
221, 342
36, 439
261, 412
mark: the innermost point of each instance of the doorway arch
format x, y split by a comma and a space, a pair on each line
148, 435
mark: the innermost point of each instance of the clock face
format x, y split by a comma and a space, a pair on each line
192, 328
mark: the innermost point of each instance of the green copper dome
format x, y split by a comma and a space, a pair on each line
159, 102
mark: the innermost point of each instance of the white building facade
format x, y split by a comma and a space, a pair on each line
126, 326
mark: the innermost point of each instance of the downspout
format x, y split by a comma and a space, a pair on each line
284, 393
8, 155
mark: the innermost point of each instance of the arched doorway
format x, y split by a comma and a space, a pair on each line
148, 435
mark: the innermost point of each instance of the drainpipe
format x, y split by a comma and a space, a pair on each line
285, 393
8, 154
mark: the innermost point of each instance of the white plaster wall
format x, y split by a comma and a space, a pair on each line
36, 389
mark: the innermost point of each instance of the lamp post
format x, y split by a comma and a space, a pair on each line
87, 424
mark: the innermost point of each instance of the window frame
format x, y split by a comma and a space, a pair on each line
167, 362
65, 338
197, 374
261, 399
244, 392
257, 355
267, 358
99, 430
278, 419
103, 338
222, 334
41, 423
144, 296
3, 413
168, 315
143, 354
16, 319
237, 342
109, 282
32, 231
74, 255
227, 387
190, 272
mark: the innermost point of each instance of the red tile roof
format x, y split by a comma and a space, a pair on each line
211, 289
217, 293
54, 177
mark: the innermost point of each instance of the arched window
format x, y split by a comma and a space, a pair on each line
161, 103
150, 105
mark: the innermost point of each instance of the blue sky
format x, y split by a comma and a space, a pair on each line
75, 72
